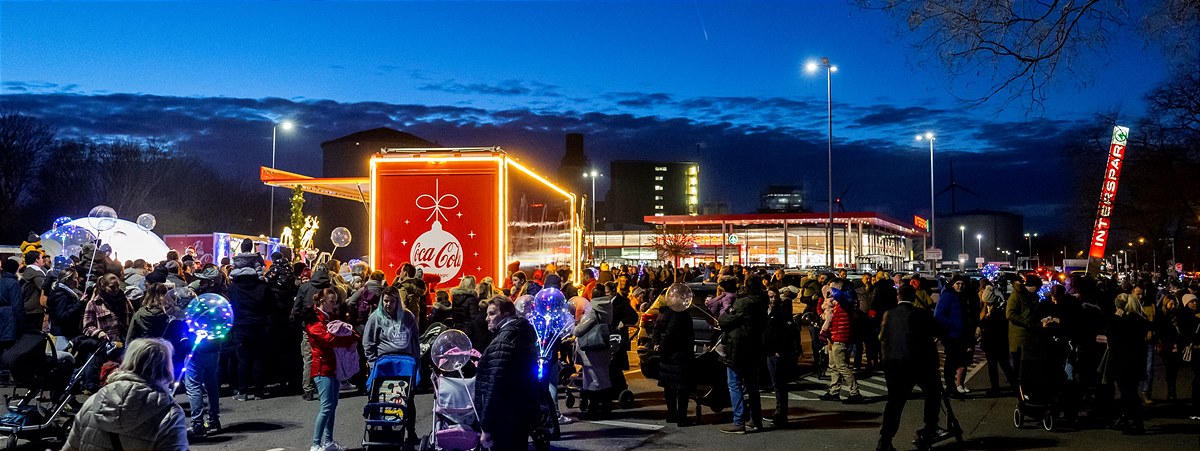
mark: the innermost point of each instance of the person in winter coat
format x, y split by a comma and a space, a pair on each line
726, 294
12, 310
954, 313
596, 382
284, 339
64, 303
994, 337
324, 364
624, 317
1127, 345
252, 303
743, 325
135, 411
781, 342
909, 358
305, 296
1019, 310
478, 331
210, 279
504, 385
840, 306
365, 300
247, 262
135, 276
150, 320
33, 278
463, 302
108, 314
673, 340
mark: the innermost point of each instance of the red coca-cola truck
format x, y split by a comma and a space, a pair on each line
456, 211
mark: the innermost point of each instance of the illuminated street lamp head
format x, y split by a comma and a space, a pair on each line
927, 135
286, 125
1141, 241
962, 227
811, 66
979, 236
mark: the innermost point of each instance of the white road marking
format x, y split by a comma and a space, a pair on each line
628, 424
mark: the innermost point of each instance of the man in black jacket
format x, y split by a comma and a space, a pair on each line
909, 358
506, 384
305, 298
252, 305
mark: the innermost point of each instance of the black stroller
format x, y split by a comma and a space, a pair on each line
45, 368
1039, 393
821, 357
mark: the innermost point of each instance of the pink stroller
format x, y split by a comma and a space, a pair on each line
455, 422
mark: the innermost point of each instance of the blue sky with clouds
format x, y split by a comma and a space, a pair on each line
640, 79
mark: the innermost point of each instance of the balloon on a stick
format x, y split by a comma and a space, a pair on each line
678, 297
340, 237
146, 221
102, 218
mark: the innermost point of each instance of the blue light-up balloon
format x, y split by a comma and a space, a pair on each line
209, 316
990, 272
61, 221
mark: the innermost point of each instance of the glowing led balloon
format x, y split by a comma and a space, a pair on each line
451, 350
678, 297
209, 316
61, 221
340, 237
72, 250
61, 239
146, 221
102, 218
61, 263
990, 272
552, 319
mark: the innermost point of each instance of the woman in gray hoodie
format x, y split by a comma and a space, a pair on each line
391, 332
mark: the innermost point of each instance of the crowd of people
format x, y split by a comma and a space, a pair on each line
328, 325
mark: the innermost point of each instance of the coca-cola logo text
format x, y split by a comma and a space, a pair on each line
448, 256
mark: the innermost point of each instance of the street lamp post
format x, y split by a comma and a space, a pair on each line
932, 229
593, 175
1029, 238
829, 70
979, 245
286, 125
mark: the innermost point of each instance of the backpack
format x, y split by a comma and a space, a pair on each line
365, 306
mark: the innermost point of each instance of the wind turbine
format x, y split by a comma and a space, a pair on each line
953, 188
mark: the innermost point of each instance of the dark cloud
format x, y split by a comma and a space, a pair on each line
1009, 164
502, 88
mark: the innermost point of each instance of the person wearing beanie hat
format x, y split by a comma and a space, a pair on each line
247, 262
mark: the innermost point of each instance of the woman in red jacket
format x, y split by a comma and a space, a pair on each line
324, 365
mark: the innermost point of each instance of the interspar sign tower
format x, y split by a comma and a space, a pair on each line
1108, 195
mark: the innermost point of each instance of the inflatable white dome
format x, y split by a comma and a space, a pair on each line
128, 241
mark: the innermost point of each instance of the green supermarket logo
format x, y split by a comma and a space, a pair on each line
1120, 135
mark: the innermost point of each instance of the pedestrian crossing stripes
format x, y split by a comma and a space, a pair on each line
871, 384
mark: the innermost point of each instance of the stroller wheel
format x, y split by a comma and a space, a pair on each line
625, 399
425, 445
570, 400
1017, 418
1048, 420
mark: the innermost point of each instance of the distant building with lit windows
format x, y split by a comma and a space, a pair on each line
782, 199
640, 188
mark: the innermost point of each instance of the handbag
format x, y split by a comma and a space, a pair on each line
595, 339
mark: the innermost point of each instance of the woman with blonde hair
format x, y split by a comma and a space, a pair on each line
135, 410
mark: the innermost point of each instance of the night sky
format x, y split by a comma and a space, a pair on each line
717, 82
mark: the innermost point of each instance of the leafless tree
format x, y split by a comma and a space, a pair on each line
673, 243
24, 142
1024, 48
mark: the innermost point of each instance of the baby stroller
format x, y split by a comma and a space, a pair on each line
389, 411
821, 357
44, 367
455, 422
1039, 389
